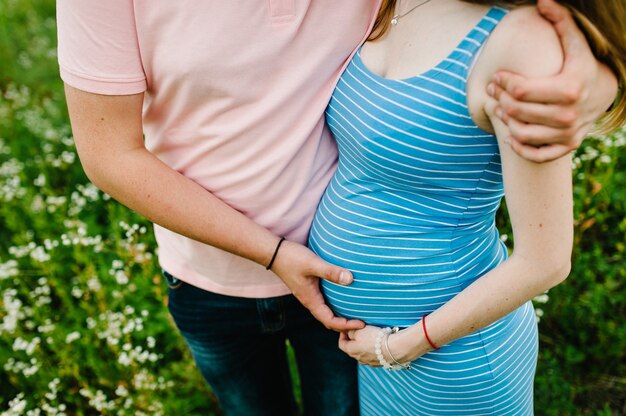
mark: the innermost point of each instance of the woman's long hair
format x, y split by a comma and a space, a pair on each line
600, 21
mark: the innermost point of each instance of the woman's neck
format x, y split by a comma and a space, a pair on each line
421, 38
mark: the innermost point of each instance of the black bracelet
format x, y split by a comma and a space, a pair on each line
269, 266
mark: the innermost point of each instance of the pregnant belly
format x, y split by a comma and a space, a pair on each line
387, 302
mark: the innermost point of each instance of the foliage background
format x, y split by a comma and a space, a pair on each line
84, 329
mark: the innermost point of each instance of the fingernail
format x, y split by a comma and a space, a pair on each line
499, 113
344, 277
491, 89
496, 79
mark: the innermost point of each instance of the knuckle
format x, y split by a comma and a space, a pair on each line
572, 92
497, 92
512, 111
567, 117
518, 92
523, 136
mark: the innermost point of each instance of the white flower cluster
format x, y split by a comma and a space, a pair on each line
10, 183
19, 97
81, 197
37, 253
117, 270
15, 311
41, 294
77, 235
98, 400
129, 244
614, 141
112, 326
8, 269
20, 344
26, 368
16, 406
543, 298
143, 380
130, 355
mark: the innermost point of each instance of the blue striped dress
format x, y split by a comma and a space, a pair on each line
410, 211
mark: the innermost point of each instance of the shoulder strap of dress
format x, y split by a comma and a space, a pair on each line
479, 34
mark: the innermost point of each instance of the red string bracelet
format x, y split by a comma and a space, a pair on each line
432, 344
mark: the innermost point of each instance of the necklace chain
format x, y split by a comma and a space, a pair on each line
397, 16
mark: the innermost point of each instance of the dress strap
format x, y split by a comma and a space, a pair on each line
466, 51
476, 38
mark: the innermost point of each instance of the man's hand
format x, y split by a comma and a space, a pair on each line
549, 117
301, 270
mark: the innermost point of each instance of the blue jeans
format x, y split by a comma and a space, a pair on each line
238, 345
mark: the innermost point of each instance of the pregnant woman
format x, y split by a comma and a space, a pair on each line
423, 166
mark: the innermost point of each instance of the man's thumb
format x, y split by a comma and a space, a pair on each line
335, 274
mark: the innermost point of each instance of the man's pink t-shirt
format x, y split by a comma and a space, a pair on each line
235, 92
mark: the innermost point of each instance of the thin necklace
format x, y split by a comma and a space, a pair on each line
397, 16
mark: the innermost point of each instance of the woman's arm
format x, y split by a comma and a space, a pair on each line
539, 199
550, 116
108, 132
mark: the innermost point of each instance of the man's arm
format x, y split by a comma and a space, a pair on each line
108, 132
550, 116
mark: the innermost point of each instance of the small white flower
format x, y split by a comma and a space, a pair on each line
124, 359
606, 159
71, 337
40, 180
39, 254
121, 277
77, 292
121, 391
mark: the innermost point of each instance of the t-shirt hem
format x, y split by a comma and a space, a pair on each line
203, 282
104, 87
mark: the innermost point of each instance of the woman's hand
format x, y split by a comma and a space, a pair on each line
406, 345
301, 270
360, 344
549, 117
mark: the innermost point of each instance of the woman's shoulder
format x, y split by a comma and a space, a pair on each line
526, 43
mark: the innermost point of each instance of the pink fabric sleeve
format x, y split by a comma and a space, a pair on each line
98, 47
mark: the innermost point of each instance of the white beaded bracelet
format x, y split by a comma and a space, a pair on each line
384, 333
378, 349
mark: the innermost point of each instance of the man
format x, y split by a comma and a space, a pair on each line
236, 156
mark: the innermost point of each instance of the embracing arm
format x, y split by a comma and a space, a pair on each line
549, 116
108, 132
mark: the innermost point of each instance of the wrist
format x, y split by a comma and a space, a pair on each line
272, 259
408, 345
